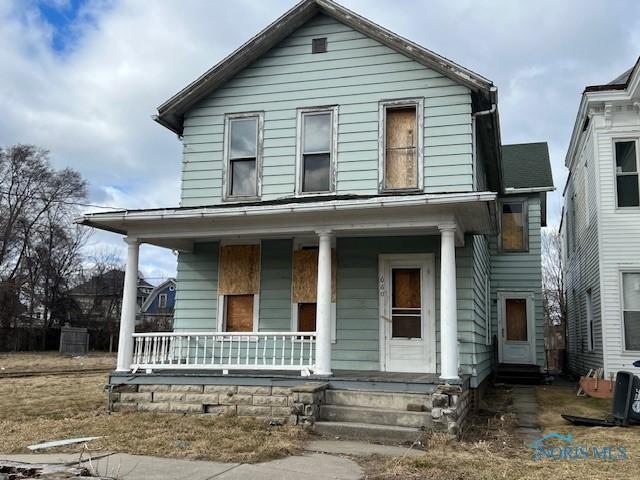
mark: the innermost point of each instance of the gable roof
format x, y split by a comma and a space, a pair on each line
619, 83
526, 166
171, 113
156, 291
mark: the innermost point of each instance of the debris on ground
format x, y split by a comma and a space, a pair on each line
60, 443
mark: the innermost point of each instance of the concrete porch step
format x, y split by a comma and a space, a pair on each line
369, 432
389, 400
377, 416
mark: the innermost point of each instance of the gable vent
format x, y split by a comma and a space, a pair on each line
319, 45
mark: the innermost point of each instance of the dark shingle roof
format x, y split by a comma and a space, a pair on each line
526, 165
621, 79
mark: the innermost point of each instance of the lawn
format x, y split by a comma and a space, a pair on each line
42, 408
491, 450
53, 361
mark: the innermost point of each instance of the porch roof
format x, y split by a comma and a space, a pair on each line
178, 228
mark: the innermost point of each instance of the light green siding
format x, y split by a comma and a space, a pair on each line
483, 349
197, 289
275, 286
521, 271
356, 74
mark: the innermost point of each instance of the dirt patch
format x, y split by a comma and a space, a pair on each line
490, 449
52, 361
38, 409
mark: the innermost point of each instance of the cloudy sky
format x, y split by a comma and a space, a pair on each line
82, 77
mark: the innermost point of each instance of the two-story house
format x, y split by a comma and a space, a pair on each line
348, 212
601, 228
156, 313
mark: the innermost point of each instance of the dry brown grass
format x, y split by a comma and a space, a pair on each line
491, 450
51, 361
38, 409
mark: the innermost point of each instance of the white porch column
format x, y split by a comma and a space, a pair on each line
128, 313
323, 305
448, 305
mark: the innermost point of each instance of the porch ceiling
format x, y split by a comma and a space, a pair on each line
179, 228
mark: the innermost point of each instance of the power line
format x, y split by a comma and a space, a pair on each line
66, 202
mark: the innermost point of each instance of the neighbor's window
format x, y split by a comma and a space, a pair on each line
401, 146
631, 310
513, 235
162, 300
627, 174
590, 333
316, 151
242, 154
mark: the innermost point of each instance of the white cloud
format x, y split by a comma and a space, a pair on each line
90, 104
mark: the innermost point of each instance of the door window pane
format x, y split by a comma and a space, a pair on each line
628, 195
243, 137
513, 226
626, 157
243, 177
406, 303
401, 137
306, 317
316, 173
516, 319
239, 311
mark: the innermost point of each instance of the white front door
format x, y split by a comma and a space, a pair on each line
407, 325
516, 328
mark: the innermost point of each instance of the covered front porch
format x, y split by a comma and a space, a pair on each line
354, 326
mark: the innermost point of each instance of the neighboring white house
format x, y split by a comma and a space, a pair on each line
601, 228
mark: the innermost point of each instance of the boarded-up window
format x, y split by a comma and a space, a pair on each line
239, 270
305, 275
401, 148
514, 228
239, 313
307, 317
406, 303
516, 314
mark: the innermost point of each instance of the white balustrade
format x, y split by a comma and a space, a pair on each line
225, 351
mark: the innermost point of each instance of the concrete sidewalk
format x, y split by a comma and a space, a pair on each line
137, 467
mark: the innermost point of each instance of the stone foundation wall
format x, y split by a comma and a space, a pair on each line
298, 405
451, 406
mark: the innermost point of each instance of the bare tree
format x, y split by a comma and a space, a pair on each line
553, 299
39, 246
555, 306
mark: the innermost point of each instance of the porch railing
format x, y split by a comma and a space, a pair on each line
224, 351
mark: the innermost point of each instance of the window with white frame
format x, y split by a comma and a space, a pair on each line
631, 310
590, 331
627, 171
317, 140
243, 134
401, 146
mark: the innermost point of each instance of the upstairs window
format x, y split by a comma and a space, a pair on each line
627, 173
243, 152
317, 140
162, 300
513, 227
401, 145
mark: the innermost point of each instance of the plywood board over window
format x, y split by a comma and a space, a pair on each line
305, 275
239, 270
401, 144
